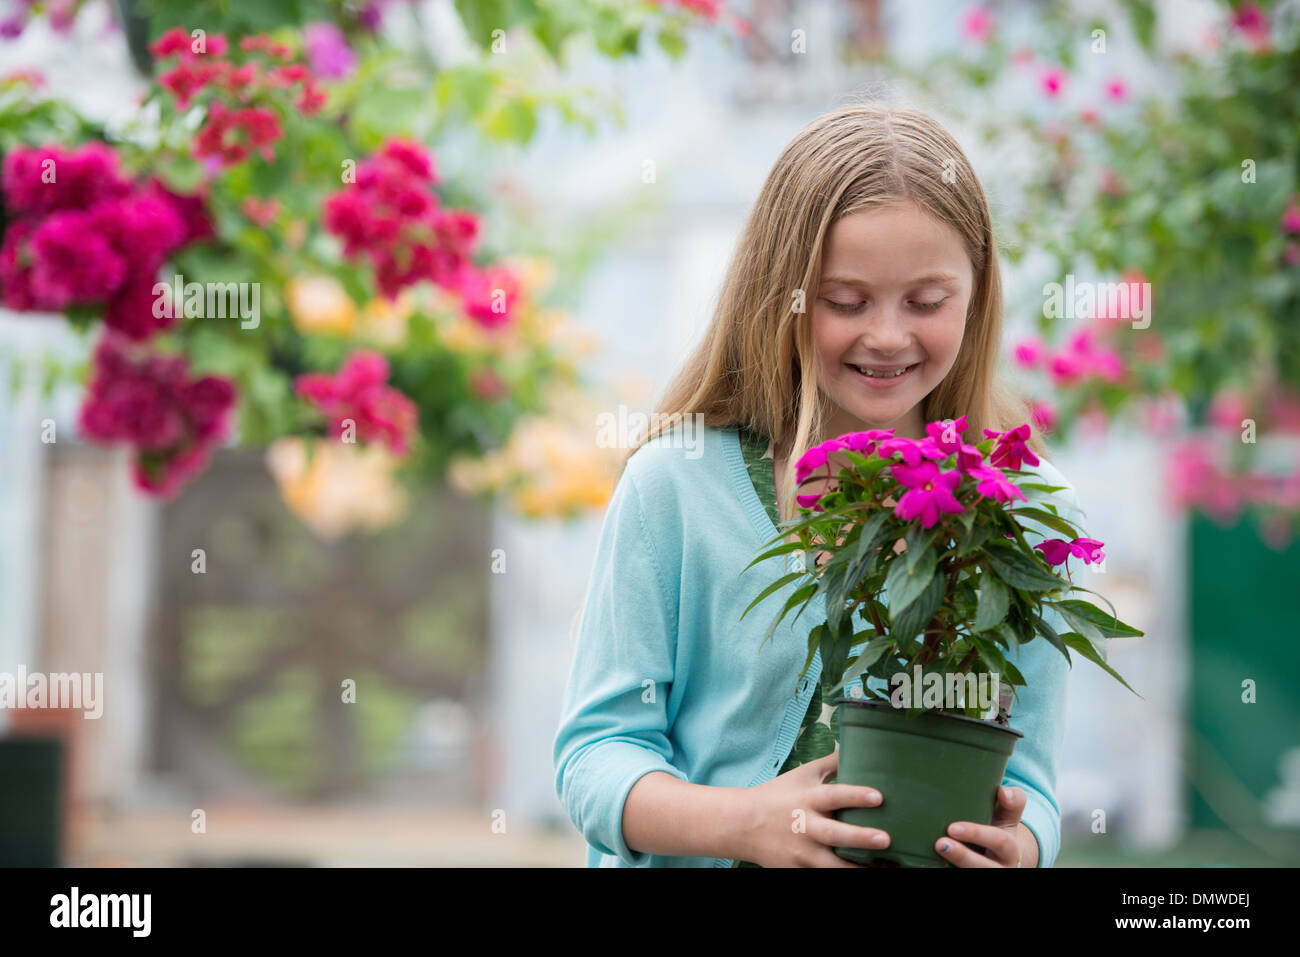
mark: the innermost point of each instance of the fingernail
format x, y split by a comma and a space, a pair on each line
945, 846
872, 797
1006, 795
880, 840
957, 830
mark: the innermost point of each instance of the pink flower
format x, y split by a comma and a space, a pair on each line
1044, 415
907, 448
260, 212
1011, 450
1291, 216
865, 442
151, 403
1029, 352
810, 501
969, 457
42, 180
1089, 549
489, 296
1227, 409
946, 434
977, 24
359, 395
72, 263
1055, 550
391, 217
327, 50
1252, 23
810, 462
931, 492
1052, 80
1116, 89
992, 483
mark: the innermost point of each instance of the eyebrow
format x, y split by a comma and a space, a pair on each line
929, 277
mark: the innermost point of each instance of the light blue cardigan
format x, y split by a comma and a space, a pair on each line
666, 677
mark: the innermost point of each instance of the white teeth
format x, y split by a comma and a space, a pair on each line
882, 375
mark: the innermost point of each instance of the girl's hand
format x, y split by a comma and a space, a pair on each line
788, 822
1006, 841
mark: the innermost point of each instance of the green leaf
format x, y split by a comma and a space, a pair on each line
775, 586
799, 595
1054, 522
1108, 625
915, 616
773, 553
993, 601
1047, 631
1019, 570
904, 585
1084, 647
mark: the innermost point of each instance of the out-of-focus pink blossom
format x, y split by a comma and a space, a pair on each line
327, 50
1116, 90
977, 24
359, 395
1043, 415
1052, 80
152, 404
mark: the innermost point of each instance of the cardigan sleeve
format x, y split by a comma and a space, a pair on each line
614, 726
1039, 709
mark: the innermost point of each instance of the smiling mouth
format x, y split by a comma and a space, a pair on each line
877, 372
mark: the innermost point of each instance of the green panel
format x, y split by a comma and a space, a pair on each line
1243, 616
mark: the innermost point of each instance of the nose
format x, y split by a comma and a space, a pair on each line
885, 332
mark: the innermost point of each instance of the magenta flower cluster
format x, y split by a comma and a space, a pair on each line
359, 394
917, 465
152, 402
84, 235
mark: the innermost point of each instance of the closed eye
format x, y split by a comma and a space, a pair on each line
855, 307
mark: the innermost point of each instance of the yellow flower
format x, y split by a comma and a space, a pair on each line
384, 320
320, 304
343, 487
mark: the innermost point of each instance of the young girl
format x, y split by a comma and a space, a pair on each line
864, 293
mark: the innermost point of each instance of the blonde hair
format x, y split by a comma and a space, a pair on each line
862, 156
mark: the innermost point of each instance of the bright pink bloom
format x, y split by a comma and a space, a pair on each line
977, 24
810, 462
72, 263
1089, 549
151, 403
489, 296
907, 448
327, 50
946, 434
1043, 414
865, 442
1116, 89
969, 457
1291, 215
992, 483
1011, 451
1055, 550
1029, 352
1052, 79
931, 492
359, 395
44, 179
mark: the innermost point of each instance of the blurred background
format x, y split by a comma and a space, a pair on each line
321, 510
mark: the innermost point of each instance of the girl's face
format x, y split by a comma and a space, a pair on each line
895, 287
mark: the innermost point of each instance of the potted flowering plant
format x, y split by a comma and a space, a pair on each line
939, 525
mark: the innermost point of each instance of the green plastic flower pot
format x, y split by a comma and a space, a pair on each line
931, 770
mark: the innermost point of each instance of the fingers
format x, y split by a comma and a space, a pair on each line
830, 797
828, 831
1001, 849
1010, 805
